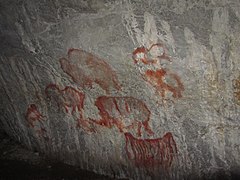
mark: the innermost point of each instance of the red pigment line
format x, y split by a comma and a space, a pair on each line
127, 107
116, 105
51, 86
163, 56
105, 118
73, 98
33, 114
146, 59
140, 50
151, 152
70, 51
156, 79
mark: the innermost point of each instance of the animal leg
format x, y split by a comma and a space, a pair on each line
119, 125
147, 128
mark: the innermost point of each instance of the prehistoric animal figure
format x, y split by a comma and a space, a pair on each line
71, 100
68, 97
85, 68
126, 113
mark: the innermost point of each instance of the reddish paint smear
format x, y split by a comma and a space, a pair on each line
86, 125
123, 112
149, 153
140, 54
85, 68
143, 54
33, 115
156, 79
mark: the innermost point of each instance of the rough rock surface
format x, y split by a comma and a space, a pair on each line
17, 162
127, 88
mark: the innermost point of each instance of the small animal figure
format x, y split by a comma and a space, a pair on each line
68, 97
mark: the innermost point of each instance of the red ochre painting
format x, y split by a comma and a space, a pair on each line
129, 115
72, 101
33, 115
35, 119
158, 80
152, 55
69, 97
85, 69
126, 113
151, 153
161, 79
236, 86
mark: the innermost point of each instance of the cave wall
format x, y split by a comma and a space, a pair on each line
131, 89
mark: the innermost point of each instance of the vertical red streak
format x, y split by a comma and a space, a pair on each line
85, 69
127, 107
236, 86
116, 105
70, 51
150, 153
108, 105
179, 88
105, 117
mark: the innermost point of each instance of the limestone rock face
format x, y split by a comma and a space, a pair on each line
130, 89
